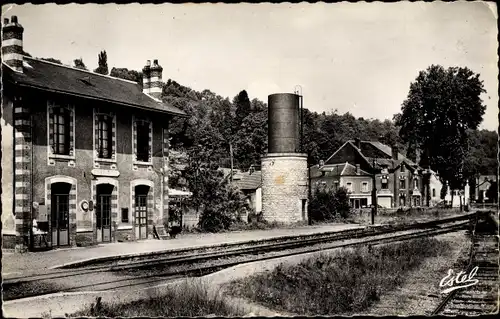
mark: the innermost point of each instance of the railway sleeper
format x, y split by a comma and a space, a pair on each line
475, 299
466, 306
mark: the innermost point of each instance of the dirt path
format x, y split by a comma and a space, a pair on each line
420, 293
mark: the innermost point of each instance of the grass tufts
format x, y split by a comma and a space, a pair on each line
343, 283
188, 299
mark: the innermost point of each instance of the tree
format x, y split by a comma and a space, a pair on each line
126, 74
441, 107
79, 64
103, 63
250, 141
243, 106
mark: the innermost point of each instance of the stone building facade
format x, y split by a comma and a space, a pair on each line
84, 155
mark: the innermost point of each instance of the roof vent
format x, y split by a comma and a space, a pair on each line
86, 80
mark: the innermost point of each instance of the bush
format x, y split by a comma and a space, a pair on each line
327, 205
214, 220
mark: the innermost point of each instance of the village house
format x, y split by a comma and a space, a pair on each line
250, 184
356, 181
84, 155
399, 181
482, 185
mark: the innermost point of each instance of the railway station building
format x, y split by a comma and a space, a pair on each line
84, 155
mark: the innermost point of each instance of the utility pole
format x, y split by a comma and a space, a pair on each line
374, 194
231, 156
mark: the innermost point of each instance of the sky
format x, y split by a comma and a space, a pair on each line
349, 57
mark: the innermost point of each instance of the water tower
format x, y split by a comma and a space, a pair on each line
284, 167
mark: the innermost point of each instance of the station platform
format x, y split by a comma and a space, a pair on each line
15, 264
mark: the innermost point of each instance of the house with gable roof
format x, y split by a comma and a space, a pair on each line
398, 180
84, 155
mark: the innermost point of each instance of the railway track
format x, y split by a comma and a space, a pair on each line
480, 298
298, 240
166, 269
269, 245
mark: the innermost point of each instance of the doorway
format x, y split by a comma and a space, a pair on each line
60, 213
141, 212
402, 201
103, 212
304, 209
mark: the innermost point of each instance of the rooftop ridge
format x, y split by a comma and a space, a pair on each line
80, 70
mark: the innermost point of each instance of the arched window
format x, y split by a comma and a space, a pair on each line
433, 192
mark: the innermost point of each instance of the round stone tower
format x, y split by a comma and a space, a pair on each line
284, 168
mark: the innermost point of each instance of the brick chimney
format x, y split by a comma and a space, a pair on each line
12, 43
395, 152
357, 142
146, 77
156, 81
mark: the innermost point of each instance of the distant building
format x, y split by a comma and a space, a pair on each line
356, 181
482, 184
250, 184
398, 180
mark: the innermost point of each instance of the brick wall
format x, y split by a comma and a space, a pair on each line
284, 187
84, 163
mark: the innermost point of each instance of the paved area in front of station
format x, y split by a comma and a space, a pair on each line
15, 264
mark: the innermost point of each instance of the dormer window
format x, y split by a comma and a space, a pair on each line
86, 80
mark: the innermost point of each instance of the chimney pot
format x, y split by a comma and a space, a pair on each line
395, 152
357, 142
155, 62
148, 63
14, 31
6, 21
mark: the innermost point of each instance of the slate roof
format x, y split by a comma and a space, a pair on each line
247, 181
62, 79
382, 154
345, 169
387, 150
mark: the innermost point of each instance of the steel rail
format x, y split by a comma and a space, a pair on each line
268, 245
472, 262
208, 269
